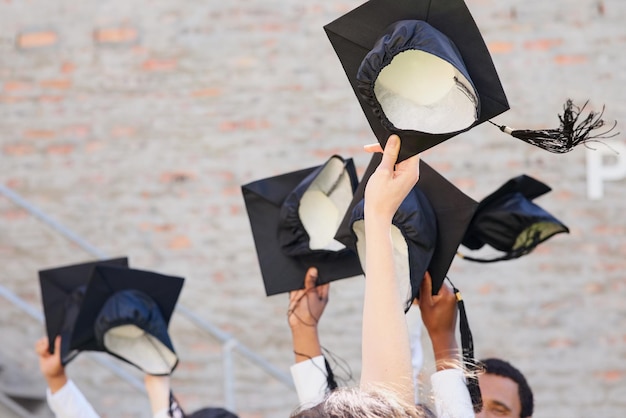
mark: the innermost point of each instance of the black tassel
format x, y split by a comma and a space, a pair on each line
469, 362
330, 376
175, 411
568, 135
331, 383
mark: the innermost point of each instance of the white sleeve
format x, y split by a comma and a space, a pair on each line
452, 399
163, 413
309, 377
69, 402
414, 322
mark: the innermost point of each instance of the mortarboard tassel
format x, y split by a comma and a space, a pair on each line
175, 410
467, 344
330, 376
568, 135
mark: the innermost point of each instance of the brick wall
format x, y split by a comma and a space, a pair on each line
135, 123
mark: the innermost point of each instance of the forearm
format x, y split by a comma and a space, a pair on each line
306, 343
158, 389
55, 383
446, 351
384, 324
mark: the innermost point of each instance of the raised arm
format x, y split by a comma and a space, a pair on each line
64, 398
386, 357
306, 307
439, 312
50, 364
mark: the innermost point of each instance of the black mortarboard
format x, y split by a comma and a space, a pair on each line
126, 312
452, 209
62, 292
441, 57
509, 221
294, 218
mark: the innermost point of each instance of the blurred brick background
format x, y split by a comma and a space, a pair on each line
134, 123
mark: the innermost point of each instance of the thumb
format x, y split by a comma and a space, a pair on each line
426, 291
57, 345
311, 278
390, 153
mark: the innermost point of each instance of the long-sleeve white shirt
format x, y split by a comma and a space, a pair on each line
69, 402
450, 394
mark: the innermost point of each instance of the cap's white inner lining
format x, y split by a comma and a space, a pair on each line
400, 256
324, 204
422, 92
140, 348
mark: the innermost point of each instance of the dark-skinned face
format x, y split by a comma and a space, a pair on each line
500, 397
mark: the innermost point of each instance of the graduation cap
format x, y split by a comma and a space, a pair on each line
509, 221
294, 218
443, 203
126, 312
62, 292
419, 68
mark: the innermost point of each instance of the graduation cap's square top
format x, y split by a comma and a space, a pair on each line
453, 210
509, 221
105, 282
57, 284
354, 34
283, 270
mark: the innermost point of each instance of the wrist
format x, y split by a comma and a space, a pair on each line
373, 217
446, 351
306, 344
443, 339
303, 327
56, 382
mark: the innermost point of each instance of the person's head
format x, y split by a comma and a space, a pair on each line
212, 413
504, 390
358, 403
